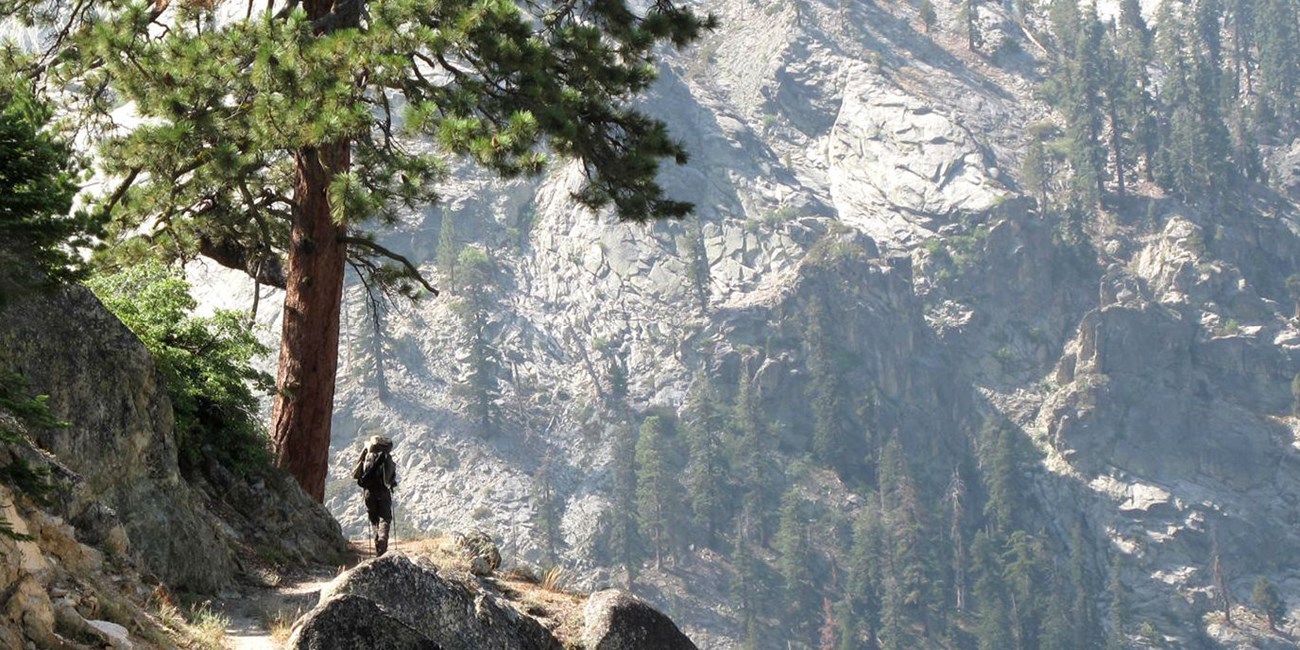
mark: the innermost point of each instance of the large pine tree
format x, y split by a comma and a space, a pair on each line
276, 139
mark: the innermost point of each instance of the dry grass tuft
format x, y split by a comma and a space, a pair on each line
208, 628
539, 595
554, 579
279, 624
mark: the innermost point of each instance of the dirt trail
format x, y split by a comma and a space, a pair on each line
257, 613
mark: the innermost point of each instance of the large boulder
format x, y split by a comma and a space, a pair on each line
616, 620
444, 612
358, 623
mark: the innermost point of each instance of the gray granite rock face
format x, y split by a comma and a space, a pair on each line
120, 437
120, 448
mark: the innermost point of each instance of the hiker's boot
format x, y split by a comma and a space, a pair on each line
381, 538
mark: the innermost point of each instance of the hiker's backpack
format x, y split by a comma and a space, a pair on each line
372, 471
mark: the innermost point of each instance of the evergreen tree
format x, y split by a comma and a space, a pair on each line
1083, 611
1035, 171
1000, 461
753, 460
548, 508
970, 20
697, 257
1137, 106
993, 624
747, 586
864, 574
624, 535
794, 559
1196, 153
1267, 600
847, 627
1117, 638
1083, 110
1277, 29
1022, 574
1117, 83
1056, 632
928, 15
37, 183
955, 499
659, 492
831, 446
906, 580
706, 468
274, 135
828, 637
479, 383
1132, 24
37, 236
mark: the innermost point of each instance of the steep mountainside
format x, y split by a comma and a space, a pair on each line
851, 165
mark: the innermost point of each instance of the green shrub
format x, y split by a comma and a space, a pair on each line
206, 363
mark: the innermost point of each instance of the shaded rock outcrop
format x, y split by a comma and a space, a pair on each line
356, 622
618, 621
118, 455
120, 434
411, 602
412, 594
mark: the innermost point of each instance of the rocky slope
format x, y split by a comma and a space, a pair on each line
107, 526
843, 155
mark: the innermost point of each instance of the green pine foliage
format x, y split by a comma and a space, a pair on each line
747, 588
795, 562
206, 363
38, 238
232, 107
697, 257
754, 465
1186, 104
831, 444
927, 15
917, 562
479, 383
707, 472
38, 179
548, 508
660, 497
1265, 597
625, 533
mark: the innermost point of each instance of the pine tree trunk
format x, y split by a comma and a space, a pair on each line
1117, 146
309, 344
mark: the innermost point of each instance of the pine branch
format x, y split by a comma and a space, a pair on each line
411, 271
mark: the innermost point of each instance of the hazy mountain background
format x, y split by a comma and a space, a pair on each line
909, 377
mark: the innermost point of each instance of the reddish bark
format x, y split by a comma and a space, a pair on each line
309, 343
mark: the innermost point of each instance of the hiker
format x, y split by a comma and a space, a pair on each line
377, 475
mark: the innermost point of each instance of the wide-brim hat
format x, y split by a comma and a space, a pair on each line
379, 442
